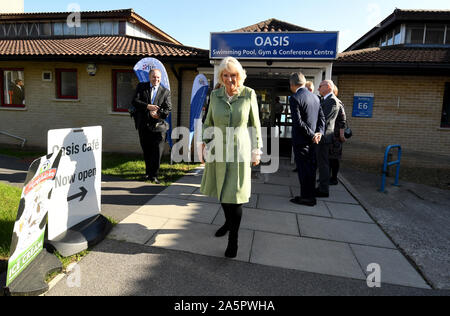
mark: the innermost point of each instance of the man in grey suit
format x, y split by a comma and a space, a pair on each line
330, 108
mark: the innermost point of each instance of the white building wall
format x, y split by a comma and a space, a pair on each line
11, 6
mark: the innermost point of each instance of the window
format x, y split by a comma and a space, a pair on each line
33, 30
45, 29
384, 40
57, 29
397, 35
124, 86
83, 29
13, 88
445, 120
107, 28
434, 34
11, 30
390, 40
447, 41
414, 34
66, 84
94, 28
22, 29
69, 30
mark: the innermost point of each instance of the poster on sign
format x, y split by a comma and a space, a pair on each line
198, 97
77, 188
29, 228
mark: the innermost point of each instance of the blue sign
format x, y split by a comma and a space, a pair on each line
290, 45
363, 105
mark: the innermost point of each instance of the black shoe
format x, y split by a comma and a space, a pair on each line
222, 231
154, 180
301, 201
232, 248
319, 193
295, 170
334, 181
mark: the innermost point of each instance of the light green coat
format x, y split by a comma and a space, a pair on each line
228, 176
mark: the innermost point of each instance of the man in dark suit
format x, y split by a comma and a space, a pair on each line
18, 92
152, 104
308, 124
330, 108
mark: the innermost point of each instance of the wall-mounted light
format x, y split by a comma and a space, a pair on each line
91, 69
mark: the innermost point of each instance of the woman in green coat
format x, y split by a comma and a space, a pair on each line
233, 122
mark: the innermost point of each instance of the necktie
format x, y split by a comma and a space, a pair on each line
153, 94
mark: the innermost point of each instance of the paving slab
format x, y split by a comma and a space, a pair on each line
199, 239
180, 209
395, 269
199, 197
280, 180
305, 254
348, 212
339, 196
277, 203
272, 189
264, 220
137, 228
343, 231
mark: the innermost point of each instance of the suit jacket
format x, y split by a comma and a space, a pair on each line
330, 107
142, 98
18, 95
307, 117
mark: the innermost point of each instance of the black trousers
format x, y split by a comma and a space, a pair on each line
305, 158
233, 216
152, 144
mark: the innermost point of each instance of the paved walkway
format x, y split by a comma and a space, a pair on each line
164, 244
336, 237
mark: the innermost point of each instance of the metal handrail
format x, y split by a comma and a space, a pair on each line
387, 164
16, 137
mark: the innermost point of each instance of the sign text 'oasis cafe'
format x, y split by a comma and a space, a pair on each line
291, 45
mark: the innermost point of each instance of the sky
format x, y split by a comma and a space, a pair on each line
191, 21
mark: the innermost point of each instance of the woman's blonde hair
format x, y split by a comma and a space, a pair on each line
230, 64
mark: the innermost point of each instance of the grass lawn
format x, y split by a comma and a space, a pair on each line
130, 167
10, 198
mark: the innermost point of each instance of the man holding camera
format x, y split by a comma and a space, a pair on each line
152, 105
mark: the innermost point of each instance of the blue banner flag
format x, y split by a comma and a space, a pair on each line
198, 97
142, 70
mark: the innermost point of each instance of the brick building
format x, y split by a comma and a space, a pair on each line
405, 64
52, 60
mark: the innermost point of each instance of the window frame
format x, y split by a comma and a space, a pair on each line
59, 94
2, 93
116, 109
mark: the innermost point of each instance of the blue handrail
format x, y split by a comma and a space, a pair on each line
387, 164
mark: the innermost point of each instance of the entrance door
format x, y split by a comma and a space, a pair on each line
268, 91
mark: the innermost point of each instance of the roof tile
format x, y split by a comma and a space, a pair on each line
97, 46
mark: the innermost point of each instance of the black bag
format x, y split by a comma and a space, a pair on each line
132, 110
348, 133
159, 127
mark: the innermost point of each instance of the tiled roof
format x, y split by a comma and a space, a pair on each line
121, 14
97, 46
400, 16
272, 25
397, 55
